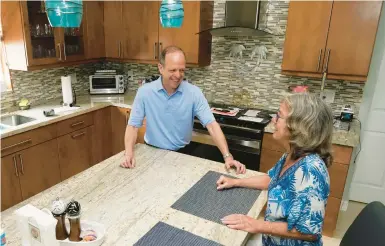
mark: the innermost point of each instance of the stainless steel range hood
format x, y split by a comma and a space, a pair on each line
241, 19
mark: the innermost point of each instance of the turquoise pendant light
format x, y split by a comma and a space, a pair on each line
64, 13
171, 13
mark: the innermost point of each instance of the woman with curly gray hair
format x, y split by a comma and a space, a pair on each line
298, 185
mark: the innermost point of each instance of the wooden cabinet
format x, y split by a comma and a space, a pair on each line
336, 37
94, 29
75, 153
101, 137
39, 168
28, 172
141, 133
133, 32
140, 30
113, 28
10, 185
31, 43
119, 119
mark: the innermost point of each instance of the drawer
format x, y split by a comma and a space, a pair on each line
338, 173
342, 154
268, 159
270, 143
27, 139
331, 216
75, 123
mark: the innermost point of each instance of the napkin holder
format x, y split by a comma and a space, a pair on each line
36, 227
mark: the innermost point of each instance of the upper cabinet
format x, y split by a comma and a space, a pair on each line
133, 32
337, 37
31, 43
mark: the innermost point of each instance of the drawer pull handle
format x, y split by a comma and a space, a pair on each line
78, 135
78, 123
14, 163
15, 145
22, 165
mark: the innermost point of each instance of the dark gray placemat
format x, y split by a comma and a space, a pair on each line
165, 235
205, 201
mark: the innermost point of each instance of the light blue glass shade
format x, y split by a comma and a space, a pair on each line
171, 13
63, 13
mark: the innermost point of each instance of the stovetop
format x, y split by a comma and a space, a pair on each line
264, 116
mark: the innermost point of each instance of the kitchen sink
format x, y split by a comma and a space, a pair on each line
15, 120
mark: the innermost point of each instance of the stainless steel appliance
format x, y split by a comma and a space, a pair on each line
244, 135
107, 82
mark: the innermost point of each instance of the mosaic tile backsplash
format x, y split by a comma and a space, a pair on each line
229, 80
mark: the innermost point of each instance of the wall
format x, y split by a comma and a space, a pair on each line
227, 80
43, 85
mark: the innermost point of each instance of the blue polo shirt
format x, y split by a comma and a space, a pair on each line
169, 119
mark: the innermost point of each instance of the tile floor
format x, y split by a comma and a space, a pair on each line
345, 219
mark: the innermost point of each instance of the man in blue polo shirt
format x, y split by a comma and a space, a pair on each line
170, 105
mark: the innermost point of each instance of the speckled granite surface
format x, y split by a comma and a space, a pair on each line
87, 104
341, 137
129, 202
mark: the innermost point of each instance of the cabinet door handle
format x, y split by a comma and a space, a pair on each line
21, 163
120, 49
59, 46
65, 52
15, 165
14, 145
77, 123
327, 61
160, 49
155, 51
319, 59
78, 135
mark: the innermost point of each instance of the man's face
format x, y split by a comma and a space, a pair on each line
173, 69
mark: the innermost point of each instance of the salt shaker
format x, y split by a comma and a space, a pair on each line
58, 211
73, 214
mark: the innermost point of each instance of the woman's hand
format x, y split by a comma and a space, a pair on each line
243, 223
225, 183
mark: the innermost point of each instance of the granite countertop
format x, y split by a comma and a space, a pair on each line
129, 202
341, 137
87, 103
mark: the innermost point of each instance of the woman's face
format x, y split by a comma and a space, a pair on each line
281, 133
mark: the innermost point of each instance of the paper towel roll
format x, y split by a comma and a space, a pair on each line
66, 88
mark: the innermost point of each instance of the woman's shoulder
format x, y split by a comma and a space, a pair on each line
313, 165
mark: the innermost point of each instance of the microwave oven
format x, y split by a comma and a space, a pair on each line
107, 84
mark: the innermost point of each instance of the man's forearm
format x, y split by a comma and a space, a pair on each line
130, 139
218, 137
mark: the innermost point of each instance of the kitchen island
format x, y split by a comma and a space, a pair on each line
129, 202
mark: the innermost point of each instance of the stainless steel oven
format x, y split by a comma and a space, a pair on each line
244, 144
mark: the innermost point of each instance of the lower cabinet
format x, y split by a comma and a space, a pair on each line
75, 152
119, 119
28, 172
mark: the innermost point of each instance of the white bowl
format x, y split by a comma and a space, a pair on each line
99, 229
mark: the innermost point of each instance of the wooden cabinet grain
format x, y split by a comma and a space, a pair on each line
94, 29
333, 36
133, 32
119, 119
101, 137
75, 153
28, 172
10, 185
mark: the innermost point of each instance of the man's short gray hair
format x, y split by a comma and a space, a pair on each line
167, 50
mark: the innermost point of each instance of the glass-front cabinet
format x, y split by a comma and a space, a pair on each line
48, 45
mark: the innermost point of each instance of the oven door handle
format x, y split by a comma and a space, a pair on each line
204, 137
234, 127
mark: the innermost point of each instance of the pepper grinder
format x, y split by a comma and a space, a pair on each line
73, 214
58, 211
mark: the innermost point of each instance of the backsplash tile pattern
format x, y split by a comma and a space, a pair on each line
44, 85
227, 80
